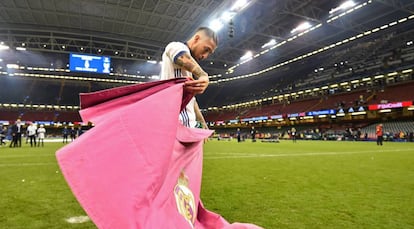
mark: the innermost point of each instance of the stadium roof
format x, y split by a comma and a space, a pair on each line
139, 30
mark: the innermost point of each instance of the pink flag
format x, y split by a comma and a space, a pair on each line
139, 167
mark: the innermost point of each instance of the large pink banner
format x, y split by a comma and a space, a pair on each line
139, 167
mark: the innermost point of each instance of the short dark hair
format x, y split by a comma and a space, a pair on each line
210, 33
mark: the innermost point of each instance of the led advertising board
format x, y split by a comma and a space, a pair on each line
321, 112
390, 105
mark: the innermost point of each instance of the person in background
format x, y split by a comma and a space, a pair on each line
79, 131
31, 132
72, 134
293, 134
358, 134
238, 135
3, 133
379, 131
16, 132
41, 132
65, 133
253, 133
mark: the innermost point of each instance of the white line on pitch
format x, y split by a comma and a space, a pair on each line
26, 164
27, 155
78, 219
302, 154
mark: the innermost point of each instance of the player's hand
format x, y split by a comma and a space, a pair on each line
197, 86
204, 126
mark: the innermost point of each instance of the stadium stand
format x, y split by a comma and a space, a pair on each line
393, 93
392, 130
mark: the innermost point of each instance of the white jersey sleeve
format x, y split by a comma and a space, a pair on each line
175, 50
169, 69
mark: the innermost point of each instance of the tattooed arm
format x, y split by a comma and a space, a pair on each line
201, 81
187, 62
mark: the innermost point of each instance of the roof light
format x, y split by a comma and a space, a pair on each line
239, 5
301, 27
270, 43
3, 47
247, 56
12, 66
228, 15
216, 25
346, 5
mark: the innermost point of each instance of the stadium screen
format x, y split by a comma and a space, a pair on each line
89, 63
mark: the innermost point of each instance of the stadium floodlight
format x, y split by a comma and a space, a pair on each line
239, 5
303, 26
346, 5
216, 25
247, 56
3, 46
228, 15
12, 66
270, 43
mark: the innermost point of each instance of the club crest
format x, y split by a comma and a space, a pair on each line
185, 199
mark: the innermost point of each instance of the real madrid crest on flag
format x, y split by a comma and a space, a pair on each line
185, 199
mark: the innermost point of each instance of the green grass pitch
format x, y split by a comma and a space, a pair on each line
308, 184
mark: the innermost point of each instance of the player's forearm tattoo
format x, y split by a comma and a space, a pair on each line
187, 62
